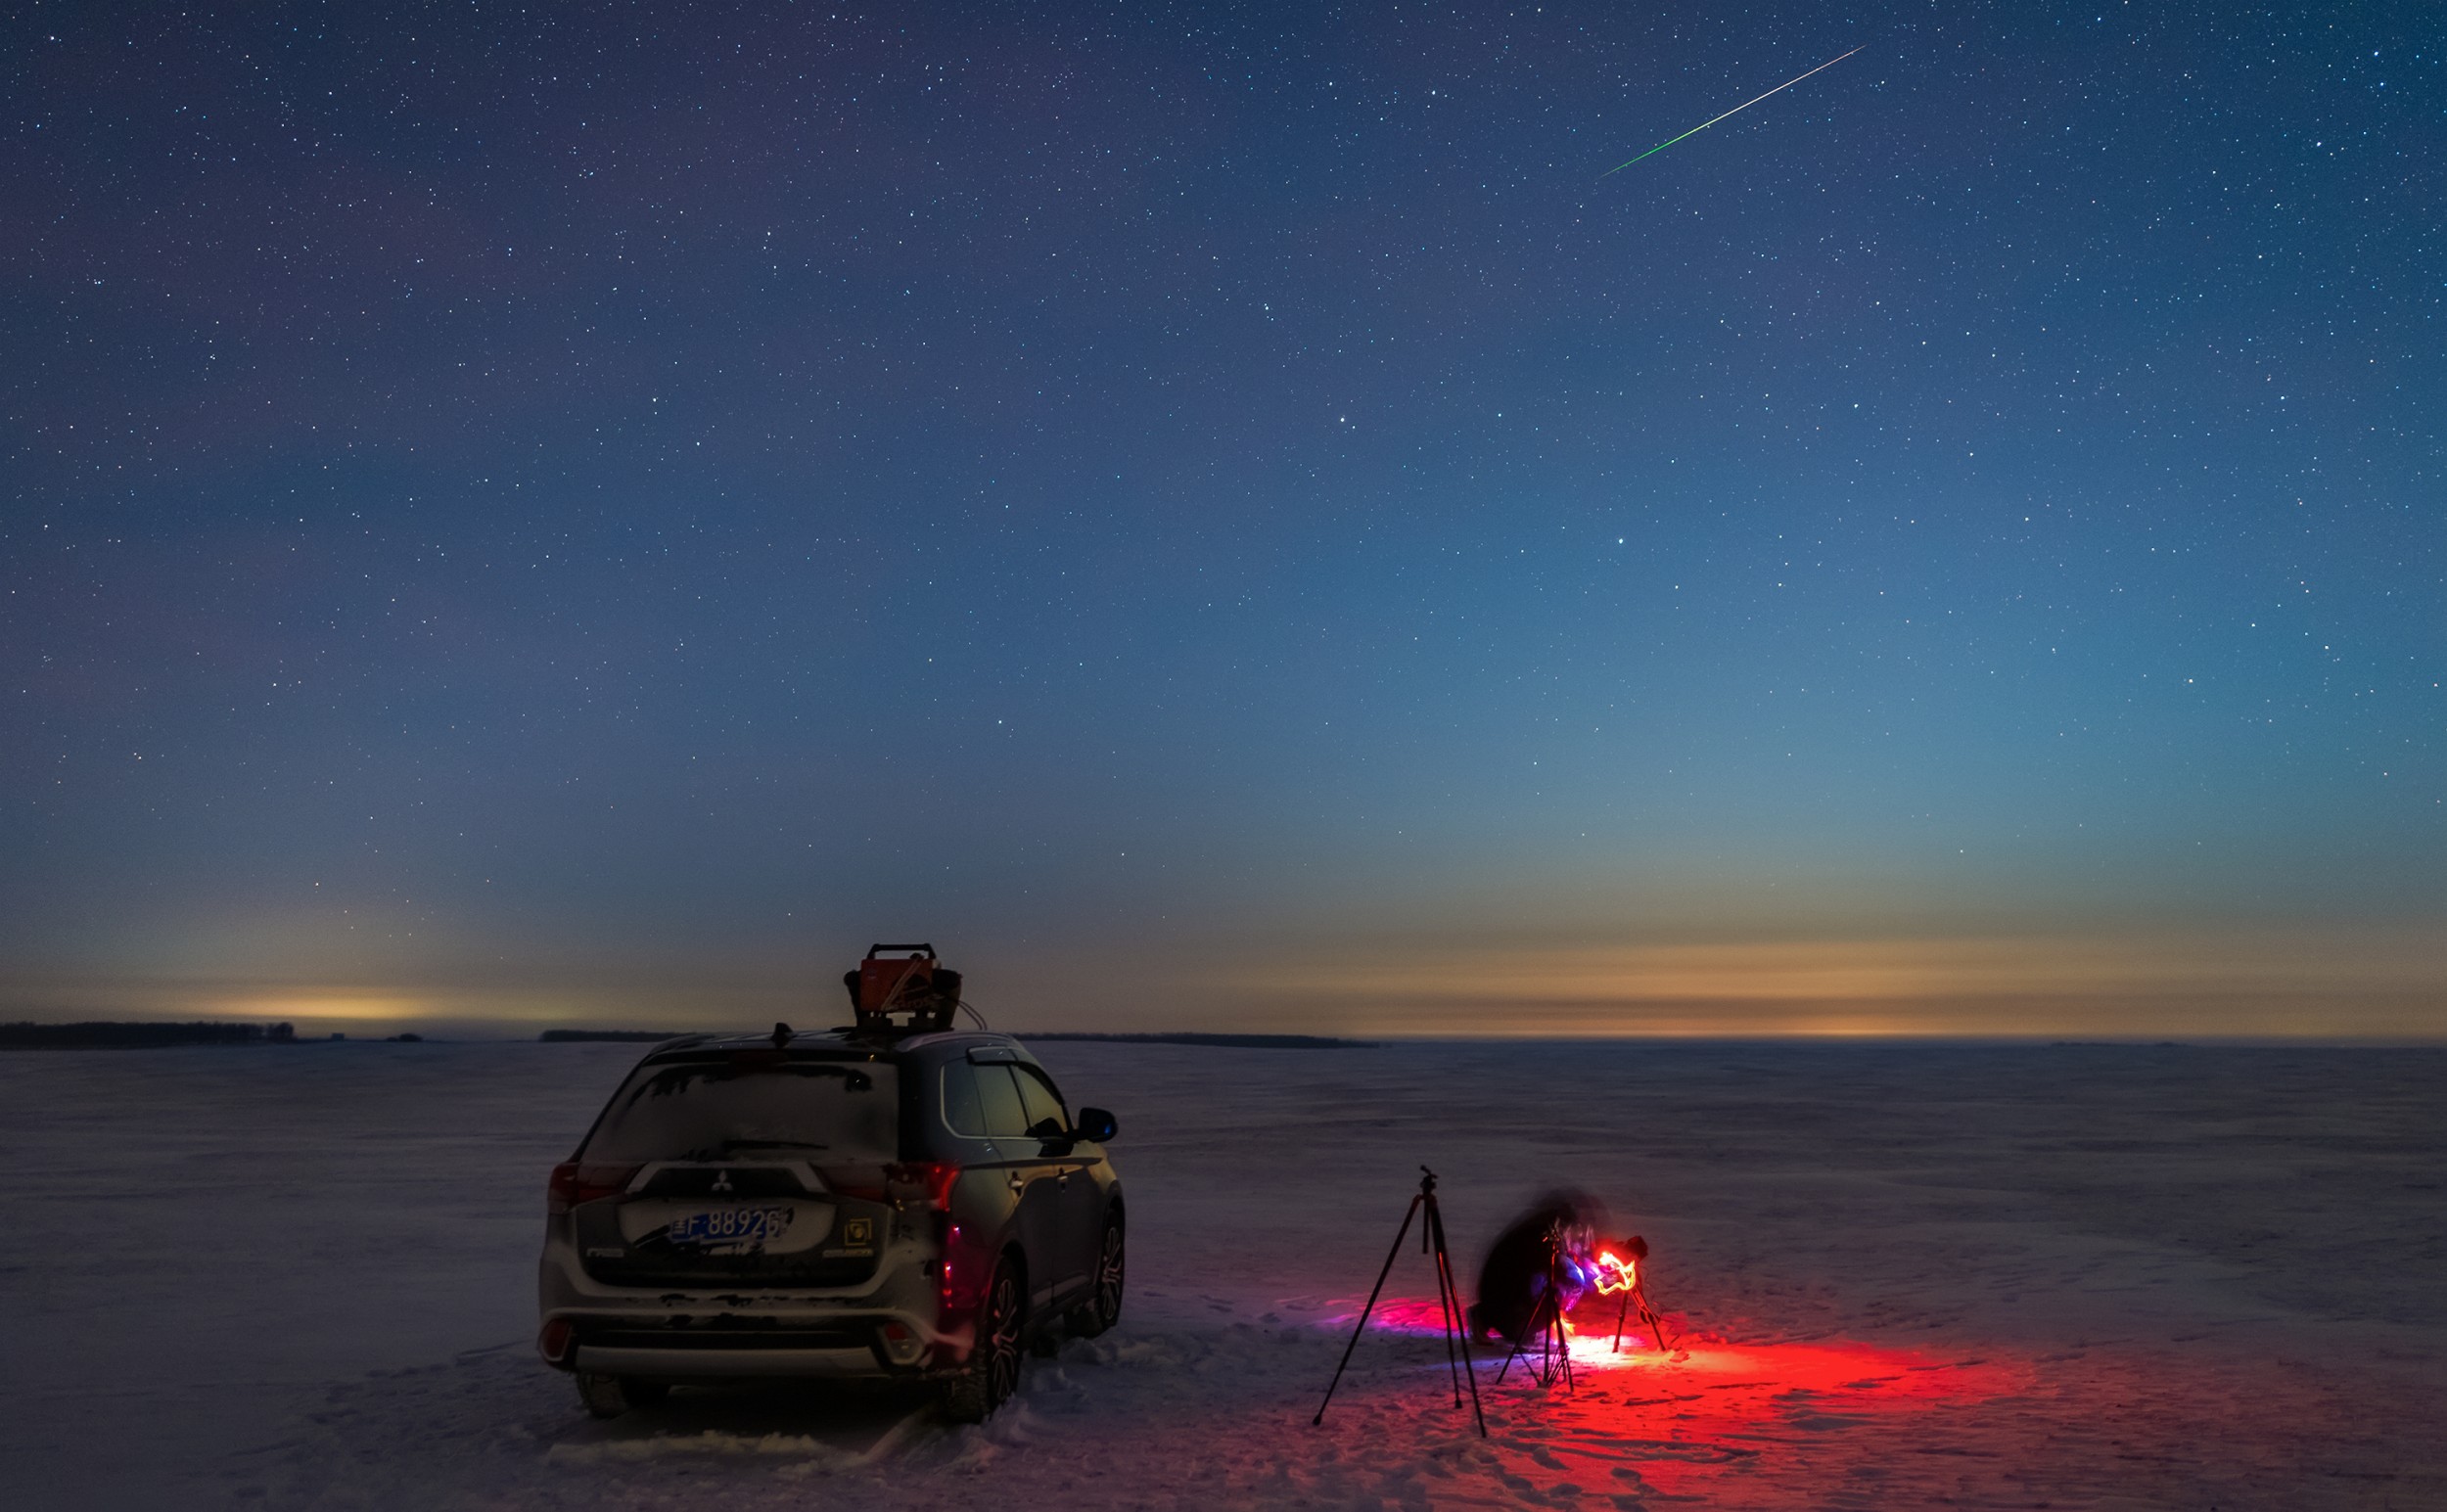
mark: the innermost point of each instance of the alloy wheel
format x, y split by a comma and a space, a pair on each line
1109, 1273
1002, 1338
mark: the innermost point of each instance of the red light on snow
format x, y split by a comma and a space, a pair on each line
1869, 1378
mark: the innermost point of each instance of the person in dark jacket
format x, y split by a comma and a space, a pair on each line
1512, 1281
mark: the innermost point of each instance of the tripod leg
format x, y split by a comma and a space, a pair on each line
1539, 1328
1544, 1354
1444, 1273
1622, 1318
1656, 1325
1446, 1301
1507, 1362
1400, 1234
1555, 1344
1563, 1347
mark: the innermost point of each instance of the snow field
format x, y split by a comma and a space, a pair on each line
1990, 1277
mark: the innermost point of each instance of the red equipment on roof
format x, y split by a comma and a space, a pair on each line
902, 979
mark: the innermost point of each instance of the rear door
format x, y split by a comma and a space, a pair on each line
728, 1154
1036, 1183
1078, 1196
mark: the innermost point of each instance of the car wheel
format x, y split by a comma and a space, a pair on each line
1103, 1307
993, 1372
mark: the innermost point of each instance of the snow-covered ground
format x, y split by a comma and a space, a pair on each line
2030, 1276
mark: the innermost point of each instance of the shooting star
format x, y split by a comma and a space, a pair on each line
1737, 110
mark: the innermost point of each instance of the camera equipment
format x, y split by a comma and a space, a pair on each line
1553, 1345
1448, 1301
1637, 1293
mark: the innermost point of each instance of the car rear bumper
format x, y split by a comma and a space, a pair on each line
681, 1364
871, 1345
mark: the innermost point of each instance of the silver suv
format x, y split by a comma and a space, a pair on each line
912, 1206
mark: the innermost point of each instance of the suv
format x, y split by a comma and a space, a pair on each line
848, 1204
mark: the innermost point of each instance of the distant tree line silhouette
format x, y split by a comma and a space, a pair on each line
139, 1036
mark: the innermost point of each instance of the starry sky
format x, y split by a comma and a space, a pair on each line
1219, 516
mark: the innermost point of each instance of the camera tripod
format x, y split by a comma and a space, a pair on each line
1637, 1293
1546, 1333
1447, 1300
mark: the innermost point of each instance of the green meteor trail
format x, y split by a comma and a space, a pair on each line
1745, 105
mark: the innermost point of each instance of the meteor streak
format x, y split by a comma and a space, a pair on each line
1745, 105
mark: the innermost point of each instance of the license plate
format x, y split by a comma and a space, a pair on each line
730, 1228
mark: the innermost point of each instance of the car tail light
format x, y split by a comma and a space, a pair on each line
553, 1344
572, 1183
951, 1275
937, 1178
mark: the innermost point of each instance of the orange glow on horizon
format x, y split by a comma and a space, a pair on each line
2383, 983
2340, 983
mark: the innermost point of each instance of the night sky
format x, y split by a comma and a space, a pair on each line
1220, 517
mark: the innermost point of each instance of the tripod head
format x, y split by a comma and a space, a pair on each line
1427, 1182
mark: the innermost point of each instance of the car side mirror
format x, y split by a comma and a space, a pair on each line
1095, 1125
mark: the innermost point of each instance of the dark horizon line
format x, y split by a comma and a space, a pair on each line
135, 1033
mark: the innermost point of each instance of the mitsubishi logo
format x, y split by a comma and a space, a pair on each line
722, 1181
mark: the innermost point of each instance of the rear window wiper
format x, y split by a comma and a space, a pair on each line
724, 1147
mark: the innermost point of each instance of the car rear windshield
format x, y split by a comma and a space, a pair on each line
730, 1107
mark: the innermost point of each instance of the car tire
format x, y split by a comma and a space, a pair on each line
993, 1372
1103, 1307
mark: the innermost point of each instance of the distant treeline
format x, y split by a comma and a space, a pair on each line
564, 1037
1234, 1041
139, 1036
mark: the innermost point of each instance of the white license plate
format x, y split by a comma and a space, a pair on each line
745, 1227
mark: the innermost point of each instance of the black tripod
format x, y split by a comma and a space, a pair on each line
1545, 1326
1448, 1298
1637, 1293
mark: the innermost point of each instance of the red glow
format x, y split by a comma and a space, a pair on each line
1703, 1409
1615, 1274
1874, 1375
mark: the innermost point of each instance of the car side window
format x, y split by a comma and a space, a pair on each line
962, 1114
1006, 1117
1042, 1100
